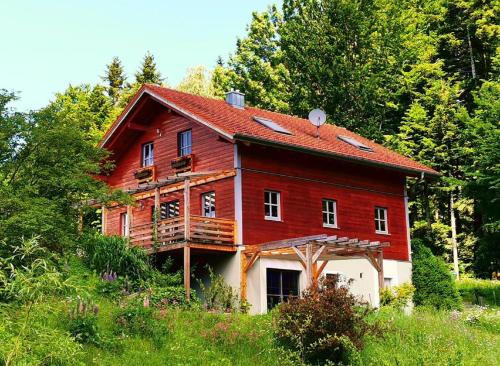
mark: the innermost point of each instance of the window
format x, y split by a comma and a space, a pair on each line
352, 141
281, 285
272, 205
124, 224
184, 143
208, 204
381, 220
147, 154
329, 213
168, 210
271, 125
387, 282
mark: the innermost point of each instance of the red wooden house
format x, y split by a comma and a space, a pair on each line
258, 195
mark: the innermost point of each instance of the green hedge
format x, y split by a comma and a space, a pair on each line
480, 292
434, 285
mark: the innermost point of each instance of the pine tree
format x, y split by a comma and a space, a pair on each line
115, 79
148, 74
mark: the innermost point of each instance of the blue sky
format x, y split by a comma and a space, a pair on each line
47, 45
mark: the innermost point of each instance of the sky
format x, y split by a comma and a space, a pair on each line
47, 44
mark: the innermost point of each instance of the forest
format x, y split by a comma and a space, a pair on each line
421, 77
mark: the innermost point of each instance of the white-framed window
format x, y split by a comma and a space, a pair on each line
125, 230
272, 209
387, 282
184, 143
329, 213
381, 225
208, 204
148, 154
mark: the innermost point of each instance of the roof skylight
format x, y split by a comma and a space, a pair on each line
352, 141
271, 125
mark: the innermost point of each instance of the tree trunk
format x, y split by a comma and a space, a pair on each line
472, 65
454, 236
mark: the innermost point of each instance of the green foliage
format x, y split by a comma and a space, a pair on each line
198, 82
115, 78
398, 297
139, 320
480, 292
113, 253
148, 74
434, 285
431, 337
219, 296
326, 324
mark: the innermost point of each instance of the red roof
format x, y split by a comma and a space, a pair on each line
238, 124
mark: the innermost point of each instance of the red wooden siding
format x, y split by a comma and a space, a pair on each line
210, 152
357, 190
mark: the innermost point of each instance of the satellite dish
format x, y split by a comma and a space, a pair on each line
317, 117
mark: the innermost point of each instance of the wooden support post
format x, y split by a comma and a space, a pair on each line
320, 269
243, 280
187, 209
156, 214
309, 264
380, 262
187, 271
103, 220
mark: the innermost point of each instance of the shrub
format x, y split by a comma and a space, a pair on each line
169, 296
326, 325
434, 285
113, 253
479, 292
219, 296
139, 320
83, 322
398, 297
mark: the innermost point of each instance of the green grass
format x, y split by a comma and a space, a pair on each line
195, 337
480, 292
429, 337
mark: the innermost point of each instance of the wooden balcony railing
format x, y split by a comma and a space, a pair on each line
170, 231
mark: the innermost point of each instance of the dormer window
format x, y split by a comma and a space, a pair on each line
147, 154
184, 143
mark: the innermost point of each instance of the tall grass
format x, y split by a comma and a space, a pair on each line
430, 337
480, 292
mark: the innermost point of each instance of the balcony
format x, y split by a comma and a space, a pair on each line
204, 232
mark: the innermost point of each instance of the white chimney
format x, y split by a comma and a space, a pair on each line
236, 99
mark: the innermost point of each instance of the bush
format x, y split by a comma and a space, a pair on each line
83, 322
219, 296
113, 253
479, 292
434, 285
326, 325
139, 320
398, 297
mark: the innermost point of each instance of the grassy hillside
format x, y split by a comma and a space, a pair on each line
181, 336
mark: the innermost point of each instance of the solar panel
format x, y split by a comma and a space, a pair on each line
271, 125
352, 141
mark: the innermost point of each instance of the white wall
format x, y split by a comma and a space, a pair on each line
364, 277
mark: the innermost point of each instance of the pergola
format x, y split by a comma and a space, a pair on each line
310, 250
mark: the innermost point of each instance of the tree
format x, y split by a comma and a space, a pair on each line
148, 74
257, 67
48, 168
197, 81
115, 78
433, 283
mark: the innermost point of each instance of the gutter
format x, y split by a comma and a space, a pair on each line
316, 152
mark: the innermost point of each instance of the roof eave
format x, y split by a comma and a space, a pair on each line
265, 142
167, 104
